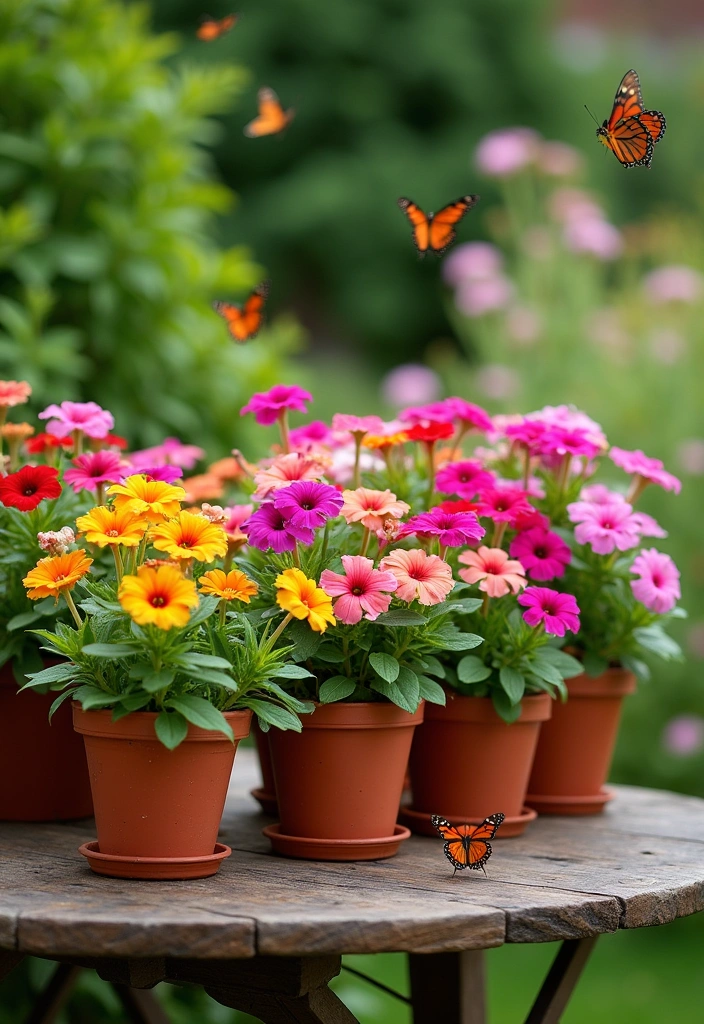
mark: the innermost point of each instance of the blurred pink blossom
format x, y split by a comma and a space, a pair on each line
474, 261
673, 284
570, 204
596, 237
497, 381
667, 345
690, 455
411, 384
505, 151
476, 298
523, 325
684, 735
559, 159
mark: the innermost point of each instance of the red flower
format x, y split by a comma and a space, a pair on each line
430, 432
30, 485
41, 443
110, 441
458, 506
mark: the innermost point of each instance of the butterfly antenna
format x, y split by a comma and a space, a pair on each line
591, 115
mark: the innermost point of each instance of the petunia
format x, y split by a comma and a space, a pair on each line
40, 444
269, 406
422, 577
357, 425
659, 585
464, 478
599, 494
465, 414
160, 596
453, 529
362, 589
543, 554
645, 469
268, 528
504, 505
29, 486
86, 418
429, 433
303, 599
574, 441
284, 470
166, 474
171, 452
190, 535
371, 508
605, 527
493, 570
557, 612
308, 504
95, 468
311, 435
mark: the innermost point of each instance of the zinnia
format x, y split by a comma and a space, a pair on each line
302, 598
162, 597
14, 392
84, 417
53, 575
543, 554
372, 508
105, 525
659, 585
464, 478
30, 485
231, 586
558, 612
190, 536
153, 499
362, 589
308, 504
95, 468
495, 572
420, 576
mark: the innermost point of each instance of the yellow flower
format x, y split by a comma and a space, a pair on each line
233, 586
161, 596
190, 536
381, 441
55, 574
304, 600
152, 499
105, 525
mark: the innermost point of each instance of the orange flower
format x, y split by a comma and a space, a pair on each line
162, 597
53, 575
152, 499
190, 536
303, 599
205, 485
231, 586
372, 508
14, 392
105, 525
17, 431
381, 441
226, 469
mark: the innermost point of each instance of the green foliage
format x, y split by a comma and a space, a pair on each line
107, 269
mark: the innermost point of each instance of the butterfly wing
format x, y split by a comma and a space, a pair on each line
631, 143
442, 224
479, 847
456, 841
628, 101
654, 123
419, 223
244, 322
211, 28
488, 828
272, 117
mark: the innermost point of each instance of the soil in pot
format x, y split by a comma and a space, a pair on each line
489, 767
576, 746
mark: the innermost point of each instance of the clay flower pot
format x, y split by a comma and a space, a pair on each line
467, 763
157, 811
576, 746
265, 795
42, 764
339, 781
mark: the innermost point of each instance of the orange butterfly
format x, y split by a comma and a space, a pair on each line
272, 116
631, 132
436, 231
468, 846
213, 28
245, 321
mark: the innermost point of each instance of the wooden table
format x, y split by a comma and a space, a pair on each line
266, 934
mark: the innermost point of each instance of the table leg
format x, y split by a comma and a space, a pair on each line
8, 962
51, 1000
141, 1006
448, 987
560, 983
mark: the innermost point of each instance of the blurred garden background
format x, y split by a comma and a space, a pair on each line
130, 199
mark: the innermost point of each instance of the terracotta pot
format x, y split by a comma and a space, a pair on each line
576, 746
42, 764
155, 803
467, 763
339, 781
265, 795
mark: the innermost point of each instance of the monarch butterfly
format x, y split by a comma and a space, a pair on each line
631, 132
213, 28
435, 231
272, 116
244, 322
468, 846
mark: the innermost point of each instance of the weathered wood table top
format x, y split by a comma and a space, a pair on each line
640, 863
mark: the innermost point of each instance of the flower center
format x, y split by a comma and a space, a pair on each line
357, 591
464, 478
158, 601
500, 507
111, 533
60, 577
29, 491
608, 525
657, 580
540, 553
306, 506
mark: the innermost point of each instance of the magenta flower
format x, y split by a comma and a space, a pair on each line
530, 435
411, 382
464, 478
308, 504
659, 585
167, 474
542, 553
649, 470
95, 468
647, 526
605, 527
433, 412
310, 435
269, 406
504, 505
362, 588
573, 441
557, 612
467, 415
267, 528
86, 417
453, 529
506, 151
358, 424
171, 452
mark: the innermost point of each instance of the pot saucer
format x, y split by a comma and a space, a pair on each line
335, 849
572, 805
267, 801
153, 867
420, 823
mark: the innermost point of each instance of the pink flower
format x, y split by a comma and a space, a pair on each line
410, 382
641, 465
647, 526
530, 435
659, 585
168, 474
599, 494
594, 236
362, 588
453, 529
690, 455
506, 151
571, 419
358, 424
285, 470
496, 573
474, 261
269, 406
684, 735
673, 284
558, 612
559, 160
605, 527
307, 503
56, 542
571, 204
371, 508
543, 554
14, 392
267, 528
95, 468
464, 478
420, 576
311, 435
450, 410
573, 441
86, 417
504, 505
236, 515
341, 468
477, 298
171, 452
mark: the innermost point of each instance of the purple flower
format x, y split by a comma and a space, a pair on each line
453, 529
411, 382
506, 151
86, 417
171, 452
269, 406
93, 469
659, 585
684, 735
605, 527
267, 528
558, 612
308, 504
464, 478
167, 474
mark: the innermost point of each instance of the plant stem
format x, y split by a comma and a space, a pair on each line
283, 427
72, 608
296, 556
279, 630
77, 443
358, 435
499, 531
526, 468
430, 448
119, 568
222, 609
485, 606
326, 538
366, 537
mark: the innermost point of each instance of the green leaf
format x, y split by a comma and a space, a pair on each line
306, 641
504, 707
472, 669
594, 665
335, 689
134, 701
635, 665
21, 620
206, 608
59, 701
115, 651
400, 617
155, 681
544, 669
386, 666
293, 672
171, 728
330, 654
567, 666
433, 667
92, 698
53, 674
513, 683
431, 691
199, 711
193, 661
655, 639
272, 714
459, 641
405, 692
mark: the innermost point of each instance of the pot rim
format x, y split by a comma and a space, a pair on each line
362, 715
139, 725
535, 707
614, 683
